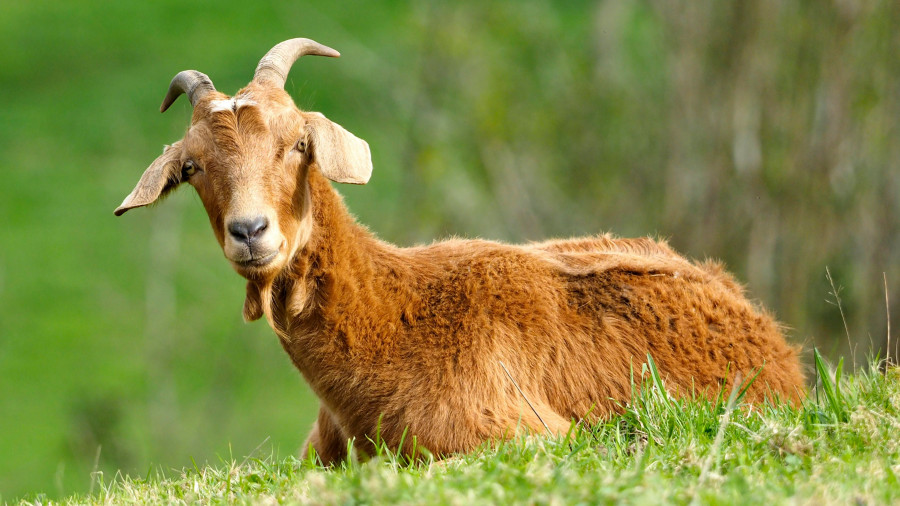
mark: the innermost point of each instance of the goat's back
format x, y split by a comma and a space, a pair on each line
576, 318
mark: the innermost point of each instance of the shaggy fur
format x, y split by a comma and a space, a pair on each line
415, 336
411, 339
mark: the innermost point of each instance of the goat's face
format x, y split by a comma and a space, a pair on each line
245, 156
248, 158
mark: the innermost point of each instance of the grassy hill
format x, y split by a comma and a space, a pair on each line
839, 447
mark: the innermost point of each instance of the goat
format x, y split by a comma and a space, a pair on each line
454, 343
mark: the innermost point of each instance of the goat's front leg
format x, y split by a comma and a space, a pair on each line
327, 439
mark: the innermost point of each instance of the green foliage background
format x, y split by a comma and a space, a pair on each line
764, 133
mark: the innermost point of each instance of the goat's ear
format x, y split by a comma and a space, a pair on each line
253, 309
163, 175
342, 157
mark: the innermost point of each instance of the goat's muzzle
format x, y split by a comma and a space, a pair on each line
252, 243
248, 230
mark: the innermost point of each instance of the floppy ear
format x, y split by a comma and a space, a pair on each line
342, 156
163, 175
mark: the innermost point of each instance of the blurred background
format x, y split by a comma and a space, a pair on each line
765, 133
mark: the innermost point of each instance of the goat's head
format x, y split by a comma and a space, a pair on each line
248, 157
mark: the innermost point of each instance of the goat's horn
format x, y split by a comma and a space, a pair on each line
275, 65
194, 84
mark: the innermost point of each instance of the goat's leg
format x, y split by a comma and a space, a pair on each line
327, 439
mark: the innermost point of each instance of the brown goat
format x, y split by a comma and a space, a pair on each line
412, 339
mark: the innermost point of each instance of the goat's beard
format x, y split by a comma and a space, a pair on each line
293, 299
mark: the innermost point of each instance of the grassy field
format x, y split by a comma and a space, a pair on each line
839, 447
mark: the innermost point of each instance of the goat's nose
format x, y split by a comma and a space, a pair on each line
247, 230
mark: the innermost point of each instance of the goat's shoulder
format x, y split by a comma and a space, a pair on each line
472, 257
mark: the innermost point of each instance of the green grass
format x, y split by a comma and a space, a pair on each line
840, 446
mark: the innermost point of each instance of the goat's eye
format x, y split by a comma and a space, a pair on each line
301, 146
188, 169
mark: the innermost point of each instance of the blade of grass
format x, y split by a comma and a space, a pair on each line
831, 390
837, 300
887, 309
743, 391
657, 381
526, 398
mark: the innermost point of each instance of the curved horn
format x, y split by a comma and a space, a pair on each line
194, 84
275, 65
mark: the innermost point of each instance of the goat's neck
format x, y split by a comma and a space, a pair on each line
345, 292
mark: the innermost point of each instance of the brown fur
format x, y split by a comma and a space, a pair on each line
395, 339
